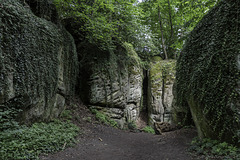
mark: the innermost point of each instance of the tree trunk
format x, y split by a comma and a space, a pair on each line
161, 28
171, 26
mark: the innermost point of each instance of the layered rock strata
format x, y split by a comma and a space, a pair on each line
162, 76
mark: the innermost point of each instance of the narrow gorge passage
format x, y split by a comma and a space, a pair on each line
143, 116
106, 143
100, 142
70, 68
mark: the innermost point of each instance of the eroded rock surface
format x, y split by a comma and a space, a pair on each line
38, 63
116, 89
162, 76
208, 73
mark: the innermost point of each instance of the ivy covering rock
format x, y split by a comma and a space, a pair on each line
208, 72
38, 63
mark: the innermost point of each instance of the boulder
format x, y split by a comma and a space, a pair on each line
162, 76
38, 63
208, 73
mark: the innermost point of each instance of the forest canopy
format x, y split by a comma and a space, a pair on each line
153, 27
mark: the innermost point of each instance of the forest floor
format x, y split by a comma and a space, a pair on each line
100, 142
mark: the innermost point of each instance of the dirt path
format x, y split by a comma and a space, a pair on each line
105, 143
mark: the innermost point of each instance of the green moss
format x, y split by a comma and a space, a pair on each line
161, 70
201, 122
164, 69
207, 70
33, 53
103, 118
156, 59
132, 55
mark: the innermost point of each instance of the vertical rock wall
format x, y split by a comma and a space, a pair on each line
162, 76
38, 63
208, 73
114, 85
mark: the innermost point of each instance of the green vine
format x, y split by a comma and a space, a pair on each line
207, 69
34, 53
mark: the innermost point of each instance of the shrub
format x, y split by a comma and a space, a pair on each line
132, 125
149, 129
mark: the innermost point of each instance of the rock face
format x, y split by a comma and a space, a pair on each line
38, 63
115, 85
162, 76
208, 73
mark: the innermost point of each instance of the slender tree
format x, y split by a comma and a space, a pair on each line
162, 37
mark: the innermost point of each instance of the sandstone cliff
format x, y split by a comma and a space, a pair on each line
162, 76
208, 73
38, 61
114, 84
39, 69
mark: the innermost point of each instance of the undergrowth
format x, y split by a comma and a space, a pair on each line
213, 149
22, 142
149, 129
132, 125
104, 118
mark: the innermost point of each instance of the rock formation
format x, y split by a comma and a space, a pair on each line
114, 85
38, 62
208, 73
162, 76
39, 69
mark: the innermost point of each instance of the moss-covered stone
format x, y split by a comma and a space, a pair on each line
38, 66
208, 73
162, 76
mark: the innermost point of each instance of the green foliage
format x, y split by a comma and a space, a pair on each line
108, 23
179, 17
29, 142
164, 70
103, 118
132, 56
207, 70
104, 22
161, 73
89, 119
7, 118
214, 149
66, 114
149, 129
94, 111
132, 125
